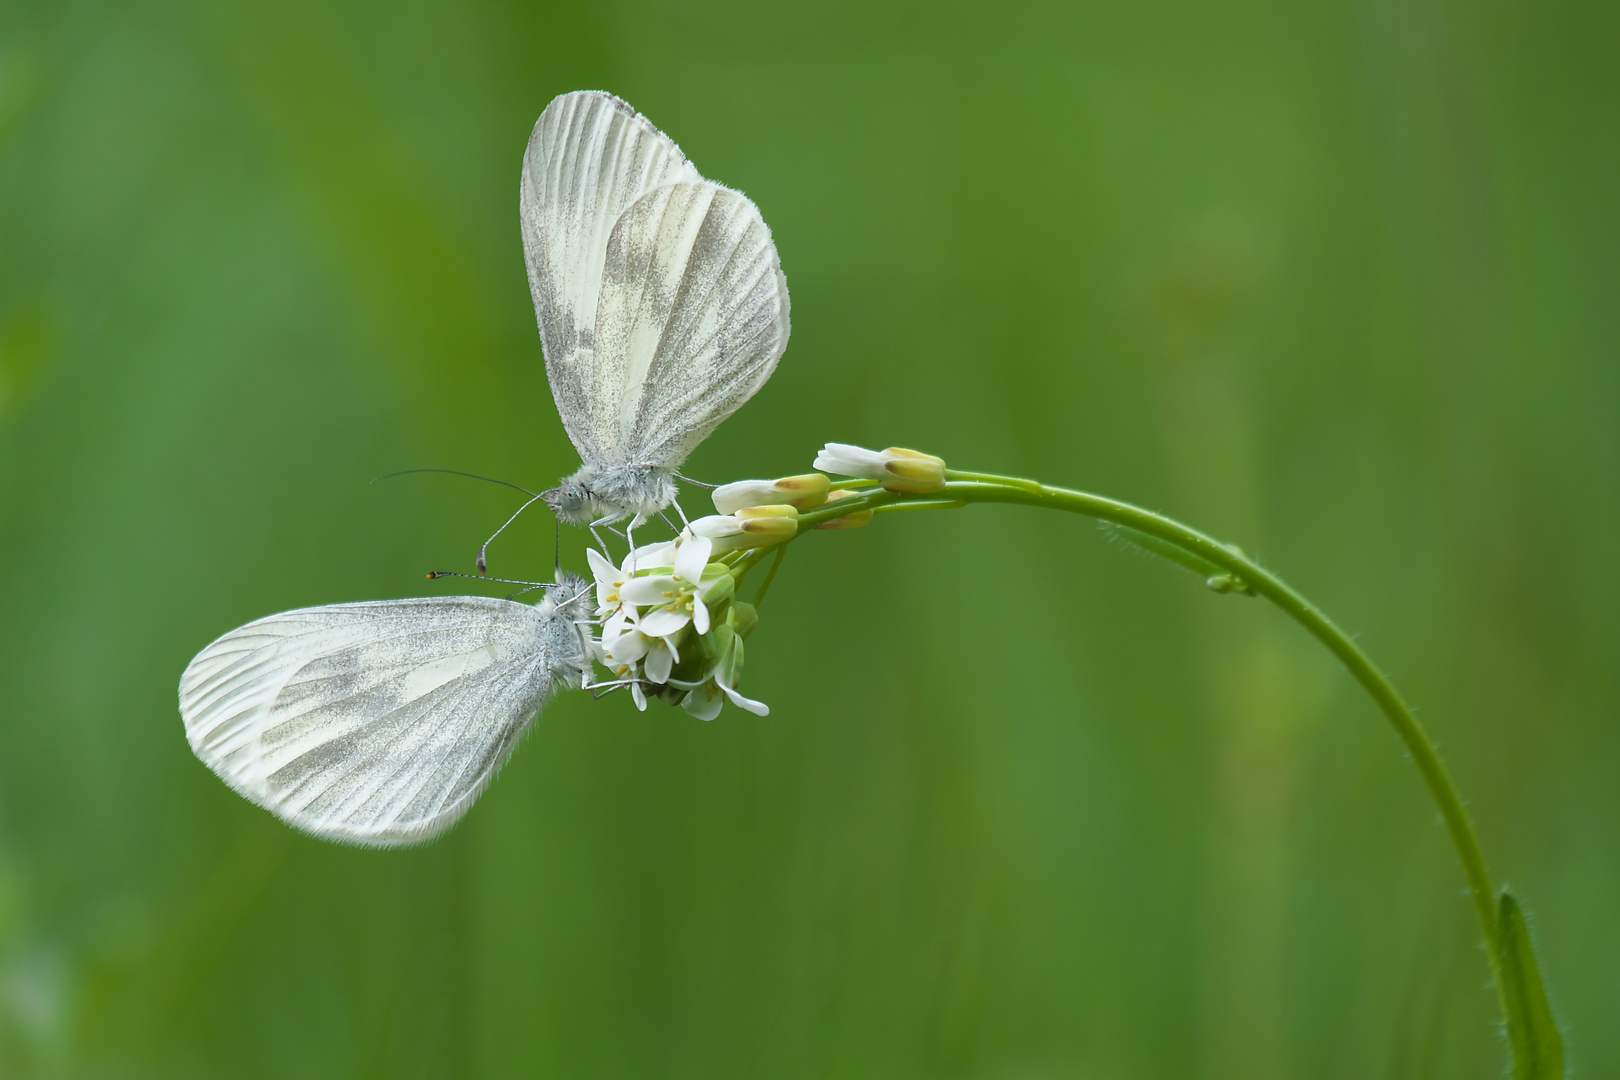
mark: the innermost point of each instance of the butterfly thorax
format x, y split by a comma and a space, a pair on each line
612, 493
563, 621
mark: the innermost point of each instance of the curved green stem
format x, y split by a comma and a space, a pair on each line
966, 487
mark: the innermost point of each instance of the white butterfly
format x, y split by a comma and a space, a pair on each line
661, 301
379, 723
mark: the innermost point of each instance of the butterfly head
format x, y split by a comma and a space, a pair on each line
571, 501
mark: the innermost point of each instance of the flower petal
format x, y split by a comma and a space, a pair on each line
659, 663
649, 591
650, 555
729, 498
701, 705
714, 526
847, 460
663, 622
601, 568
700, 614
628, 647
758, 708
639, 696
691, 557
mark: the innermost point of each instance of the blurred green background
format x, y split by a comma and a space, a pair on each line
1336, 282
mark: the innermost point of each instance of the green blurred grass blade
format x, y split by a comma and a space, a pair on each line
1538, 1049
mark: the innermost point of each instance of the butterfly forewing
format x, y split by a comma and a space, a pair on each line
589, 157
373, 723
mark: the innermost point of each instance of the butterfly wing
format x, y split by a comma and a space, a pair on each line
372, 723
692, 318
589, 158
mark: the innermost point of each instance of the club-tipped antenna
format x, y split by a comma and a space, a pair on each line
455, 472
484, 547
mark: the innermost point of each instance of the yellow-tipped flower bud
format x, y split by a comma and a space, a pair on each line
896, 468
853, 520
769, 524
912, 470
804, 491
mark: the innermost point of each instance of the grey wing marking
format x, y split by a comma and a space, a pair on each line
589, 157
692, 318
371, 723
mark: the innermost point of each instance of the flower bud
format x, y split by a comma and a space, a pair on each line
912, 470
750, 527
768, 524
804, 491
729, 650
853, 520
897, 468
743, 618
717, 585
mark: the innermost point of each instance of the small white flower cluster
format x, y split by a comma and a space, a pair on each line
670, 625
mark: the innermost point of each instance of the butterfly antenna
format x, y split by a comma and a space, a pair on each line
485, 546
434, 575
520, 592
455, 472
699, 483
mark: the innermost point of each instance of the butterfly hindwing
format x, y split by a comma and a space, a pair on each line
373, 723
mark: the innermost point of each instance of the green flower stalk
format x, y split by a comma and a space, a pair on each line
761, 514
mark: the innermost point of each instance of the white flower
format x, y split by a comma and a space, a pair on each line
803, 492
649, 641
648, 604
610, 579
897, 468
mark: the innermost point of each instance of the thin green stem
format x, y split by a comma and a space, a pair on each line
770, 575
965, 487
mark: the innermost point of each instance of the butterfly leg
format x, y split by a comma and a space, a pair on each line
600, 543
630, 529
689, 480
